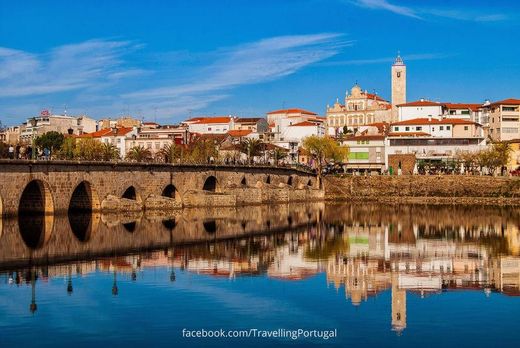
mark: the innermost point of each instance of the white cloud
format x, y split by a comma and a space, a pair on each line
471, 14
385, 5
88, 76
64, 68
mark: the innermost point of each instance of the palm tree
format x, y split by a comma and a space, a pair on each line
251, 147
139, 154
109, 152
170, 153
278, 154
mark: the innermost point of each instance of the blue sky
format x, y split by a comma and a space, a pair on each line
169, 60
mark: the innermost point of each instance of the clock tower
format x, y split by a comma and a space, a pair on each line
398, 84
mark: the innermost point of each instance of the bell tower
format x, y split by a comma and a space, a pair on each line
398, 83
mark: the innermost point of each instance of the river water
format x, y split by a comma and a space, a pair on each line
363, 275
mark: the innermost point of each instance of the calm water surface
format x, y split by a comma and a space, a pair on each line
398, 276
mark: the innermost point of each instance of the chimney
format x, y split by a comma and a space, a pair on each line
429, 118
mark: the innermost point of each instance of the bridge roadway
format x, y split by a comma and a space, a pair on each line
49, 187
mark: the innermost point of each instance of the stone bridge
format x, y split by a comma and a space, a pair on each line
48, 187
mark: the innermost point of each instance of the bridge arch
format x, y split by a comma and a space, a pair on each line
211, 184
171, 191
35, 214
210, 226
83, 202
131, 193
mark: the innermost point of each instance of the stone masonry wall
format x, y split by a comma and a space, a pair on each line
424, 188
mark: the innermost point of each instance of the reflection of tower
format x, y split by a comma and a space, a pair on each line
398, 306
33, 306
69, 281
398, 85
115, 290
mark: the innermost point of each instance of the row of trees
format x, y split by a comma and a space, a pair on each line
492, 158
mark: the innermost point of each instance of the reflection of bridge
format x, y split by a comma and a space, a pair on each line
86, 236
49, 187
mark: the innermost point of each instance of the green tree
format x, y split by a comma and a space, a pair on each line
171, 153
109, 152
324, 149
88, 149
139, 154
252, 148
200, 150
51, 140
278, 154
67, 149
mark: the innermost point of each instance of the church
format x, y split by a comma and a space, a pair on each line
362, 108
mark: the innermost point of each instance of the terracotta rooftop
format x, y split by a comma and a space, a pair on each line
510, 101
292, 111
107, 132
248, 119
239, 133
472, 107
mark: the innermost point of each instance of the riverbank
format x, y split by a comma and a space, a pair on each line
418, 189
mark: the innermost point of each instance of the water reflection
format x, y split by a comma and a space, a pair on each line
362, 251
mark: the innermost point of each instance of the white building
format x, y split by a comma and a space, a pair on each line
435, 127
210, 125
420, 109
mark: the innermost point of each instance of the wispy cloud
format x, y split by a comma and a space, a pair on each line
423, 13
385, 5
95, 76
251, 63
386, 60
65, 68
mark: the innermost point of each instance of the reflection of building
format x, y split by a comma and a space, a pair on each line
398, 306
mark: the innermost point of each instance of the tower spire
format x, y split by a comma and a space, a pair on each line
398, 59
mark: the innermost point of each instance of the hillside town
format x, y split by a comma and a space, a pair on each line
379, 136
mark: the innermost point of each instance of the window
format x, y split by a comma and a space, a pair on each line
441, 128
509, 130
508, 108
448, 127
149, 145
157, 146
396, 129
466, 128
119, 140
465, 112
209, 129
407, 129
418, 128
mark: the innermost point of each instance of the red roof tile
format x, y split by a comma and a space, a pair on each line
239, 133
510, 101
304, 124
472, 107
220, 119
292, 111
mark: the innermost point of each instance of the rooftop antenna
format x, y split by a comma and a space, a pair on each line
155, 114
65, 109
